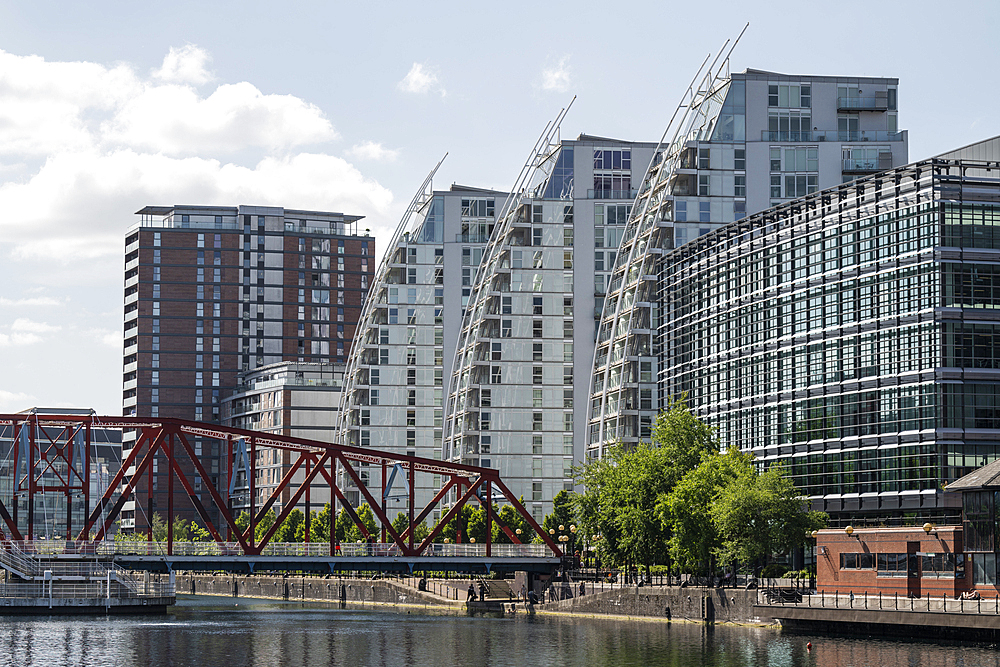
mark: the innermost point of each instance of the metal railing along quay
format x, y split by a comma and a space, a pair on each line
895, 602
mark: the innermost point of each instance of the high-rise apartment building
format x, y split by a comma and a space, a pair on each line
521, 376
297, 399
397, 376
213, 291
741, 143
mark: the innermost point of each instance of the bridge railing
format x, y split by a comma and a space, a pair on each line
322, 550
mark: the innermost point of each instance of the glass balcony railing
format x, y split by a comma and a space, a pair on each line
611, 194
832, 135
472, 238
868, 165
862, 104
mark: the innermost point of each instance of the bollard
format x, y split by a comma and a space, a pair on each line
836, 600
895, 602
928, 601
880, 599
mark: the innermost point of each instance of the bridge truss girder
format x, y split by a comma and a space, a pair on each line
170, 437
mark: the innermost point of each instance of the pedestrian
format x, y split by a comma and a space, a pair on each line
583, 589
482, 592
472, 593
524, 592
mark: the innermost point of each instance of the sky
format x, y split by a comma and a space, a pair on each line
106, 107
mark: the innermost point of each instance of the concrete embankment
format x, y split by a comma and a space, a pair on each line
313, 589
971, 621
713, 605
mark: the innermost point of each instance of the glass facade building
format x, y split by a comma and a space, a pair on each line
851, 335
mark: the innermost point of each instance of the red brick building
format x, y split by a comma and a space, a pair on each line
892, 561
214, 291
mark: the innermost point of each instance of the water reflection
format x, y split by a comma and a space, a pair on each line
215, 631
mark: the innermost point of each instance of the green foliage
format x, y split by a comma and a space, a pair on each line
286, 531
457, 530
563, 514
319, 524
685, 512
184, 531
511, 518
352, 533
624, 488
762, 514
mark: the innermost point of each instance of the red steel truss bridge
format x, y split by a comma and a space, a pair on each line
50, 455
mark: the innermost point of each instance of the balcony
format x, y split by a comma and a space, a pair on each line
832, 135
612, 194
472, 238
856, 104
868, 166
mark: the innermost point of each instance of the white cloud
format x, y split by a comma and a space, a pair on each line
30, 301
177, 121
420, 80
43, 215
557, 77
11, 401
105, 142
10, 340
113, 339
24, 324
185, 65
370, 150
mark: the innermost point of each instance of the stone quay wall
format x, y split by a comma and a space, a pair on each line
719, 605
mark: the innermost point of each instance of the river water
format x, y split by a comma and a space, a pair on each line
232, 633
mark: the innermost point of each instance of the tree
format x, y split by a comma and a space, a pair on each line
760, 514
563, 514
624, 487
510, 517
286, 531
352, 533
319, 525
457, 530
685, 512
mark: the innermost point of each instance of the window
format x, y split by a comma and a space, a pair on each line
612, 159
536, 375
411, 376
680, 211
373, 376
506, 328
703, 185
789, 96
536, 421
536, 302
505, 305
496, 351
740, 186
536, 351
495, 375
568, 375
536, 328
536, 398
704, 211
740, 159
703, 158
857, 561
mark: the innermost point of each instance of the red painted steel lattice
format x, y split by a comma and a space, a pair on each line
40, 441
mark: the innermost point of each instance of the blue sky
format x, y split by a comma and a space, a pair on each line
108, 106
